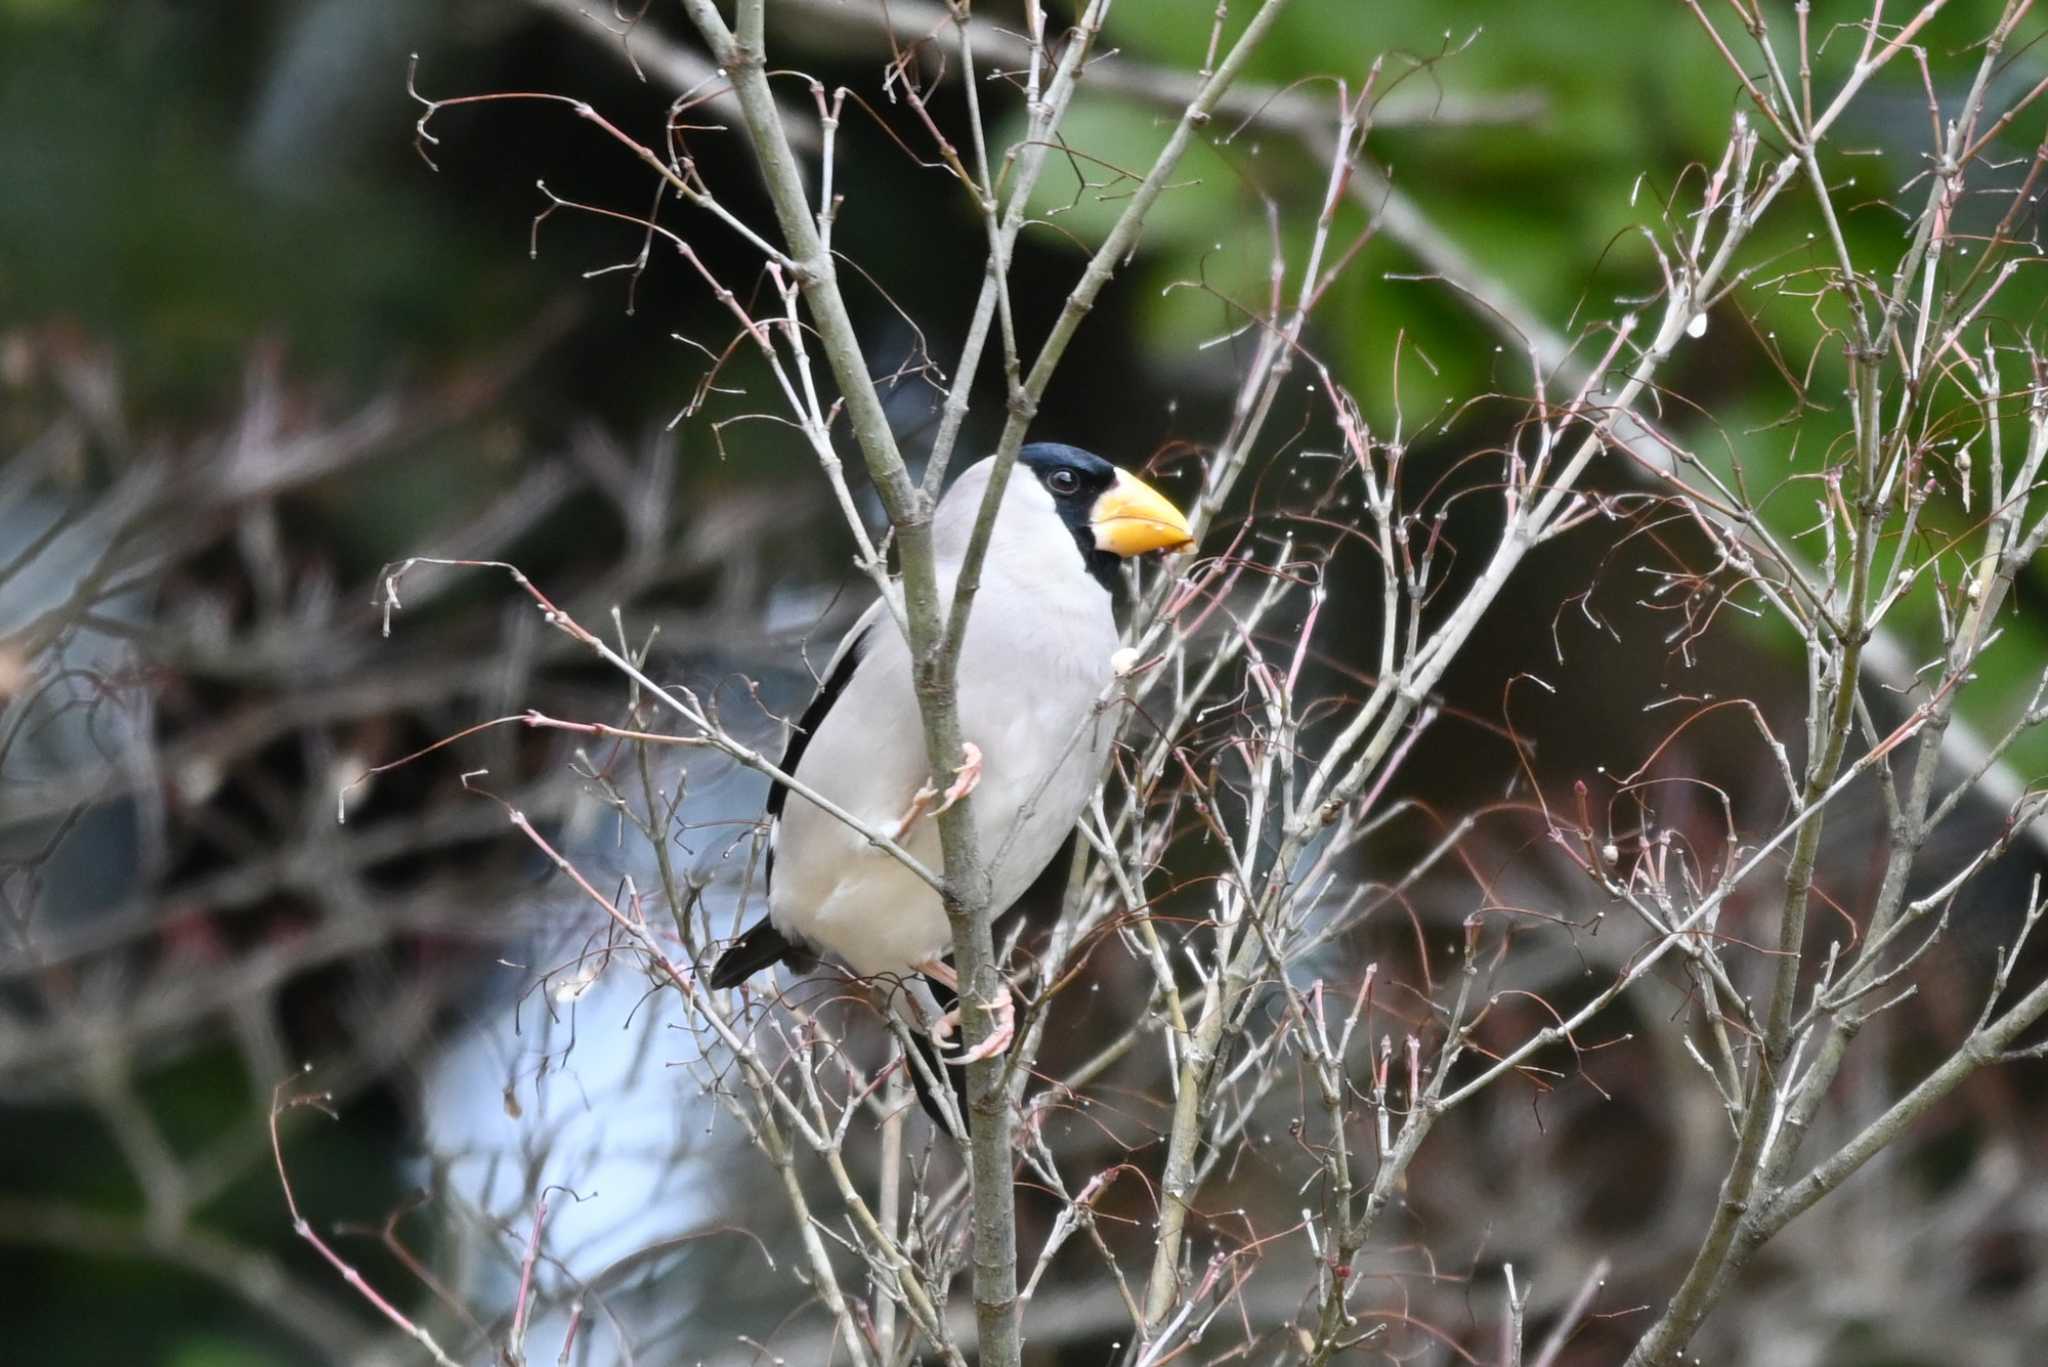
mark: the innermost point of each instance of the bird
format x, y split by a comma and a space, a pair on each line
1036, 659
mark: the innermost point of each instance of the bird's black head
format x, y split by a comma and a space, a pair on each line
1111, 512
1075, 479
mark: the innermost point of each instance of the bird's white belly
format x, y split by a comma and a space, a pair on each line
1041, 752
862, 904
879, 917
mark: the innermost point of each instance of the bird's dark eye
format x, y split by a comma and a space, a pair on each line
1063, 481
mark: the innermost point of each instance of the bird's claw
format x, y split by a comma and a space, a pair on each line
999, 1039
929, 801
1003, 1007
965, 777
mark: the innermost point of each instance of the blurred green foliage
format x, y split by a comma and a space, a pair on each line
1637, 107
133, 208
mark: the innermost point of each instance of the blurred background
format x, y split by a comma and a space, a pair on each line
253, 347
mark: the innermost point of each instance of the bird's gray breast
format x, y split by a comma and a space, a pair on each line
1033, 668
1030, 694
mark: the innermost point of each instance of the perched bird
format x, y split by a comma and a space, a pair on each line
1035, 661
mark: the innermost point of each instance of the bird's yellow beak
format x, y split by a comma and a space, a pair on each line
1131, 517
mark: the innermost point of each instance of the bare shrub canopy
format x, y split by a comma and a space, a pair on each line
1311, 1065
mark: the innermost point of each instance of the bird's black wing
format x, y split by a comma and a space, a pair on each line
836, 677
763, 945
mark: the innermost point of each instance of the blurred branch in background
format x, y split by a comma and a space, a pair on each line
187, 689
653, 56
915, 25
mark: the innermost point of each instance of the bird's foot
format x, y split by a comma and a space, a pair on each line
965, 777
929, 801
1004, 1008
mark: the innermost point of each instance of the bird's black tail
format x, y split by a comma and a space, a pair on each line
761, 947
928, 1055
935, 1064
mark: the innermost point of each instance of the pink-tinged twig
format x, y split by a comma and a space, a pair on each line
515, 1345
279, 1104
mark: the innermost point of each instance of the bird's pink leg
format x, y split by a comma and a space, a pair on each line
929, 801
1005, 1012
